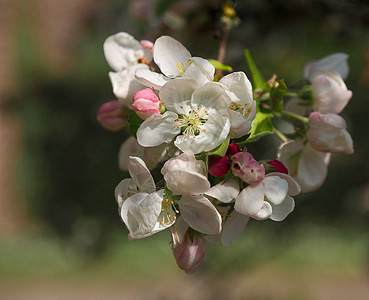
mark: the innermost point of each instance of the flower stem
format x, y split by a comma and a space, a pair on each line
281, 136
290, 115
225, 28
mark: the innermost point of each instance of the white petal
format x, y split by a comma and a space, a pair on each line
178, 231
275, 189
200, 214
211, 95
233, 228
225, 191
151, 79
168, 52
265, 212
200, 69
176, 94
280, 212
250, 200
125, 84
239, 86
141, 175
183, 182
122, 50
212, 134
140, 212
157, 129
293, 186
241, 124
126, 188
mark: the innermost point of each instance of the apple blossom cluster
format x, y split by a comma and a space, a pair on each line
195, 127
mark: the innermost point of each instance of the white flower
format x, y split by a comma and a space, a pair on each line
125, 56
141, 207
186, 176
233, 222
174, 60
306, 165
269, 199
327, 133
242, 110
330, 93
335, 62
195, 117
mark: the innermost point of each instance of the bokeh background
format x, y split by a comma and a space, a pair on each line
60, 234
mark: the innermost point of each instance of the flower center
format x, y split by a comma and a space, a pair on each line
192, 121
168, 212
240, 108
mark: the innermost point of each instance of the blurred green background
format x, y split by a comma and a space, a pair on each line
60, 234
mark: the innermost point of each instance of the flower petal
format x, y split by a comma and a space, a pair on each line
225, 191
250, 200
276, 189
200, 214
239, 86
280, 212
178, 231
141, 175
233, 228
200, 69
126, 188
151, 79
157, 129
265, 212
168, 52
293, 187
140, 212
211, 95
125, 84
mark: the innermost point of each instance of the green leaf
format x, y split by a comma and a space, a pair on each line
261, 126
221, 149
219, 66
134, 122
257, 78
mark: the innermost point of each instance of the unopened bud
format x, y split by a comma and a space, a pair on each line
276, 166
247, 168
146, 103
190, 253
110, 115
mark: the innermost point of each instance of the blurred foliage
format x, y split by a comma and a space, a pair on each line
68, 169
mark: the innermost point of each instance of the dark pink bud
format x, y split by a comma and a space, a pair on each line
218, 165
190, 253
110, 115
233, 149
247, 168
277, 166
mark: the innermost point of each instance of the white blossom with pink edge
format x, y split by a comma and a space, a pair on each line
141, 207
327, 133
330, 93
186, 176
269, 199
334, 62
195, 118
174, 60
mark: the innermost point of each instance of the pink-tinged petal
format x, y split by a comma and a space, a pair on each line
199, 69
280, 212
148, 49
326, 122
335, 62
265, 212
145, 108
247, 168
239, 86
147, 94
218, 165
250, 200
330, 93
141, 175
157, 129
233, 228
293, 187
275, 188
169, 52
200, 214
122, 50
151, 79
111, 116
225, 191
125, 84
176, 94
178, 231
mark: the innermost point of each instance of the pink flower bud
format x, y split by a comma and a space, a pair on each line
247, 168
218, 165
146, 44
233, 149
277, 166
190, 253
146, 103
110, 115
